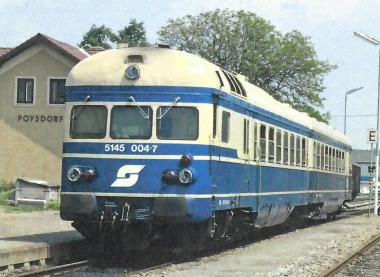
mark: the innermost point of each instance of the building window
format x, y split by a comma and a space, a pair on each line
57, 91
25, 91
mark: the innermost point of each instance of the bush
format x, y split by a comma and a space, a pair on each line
4, 195
6, 186
53, 205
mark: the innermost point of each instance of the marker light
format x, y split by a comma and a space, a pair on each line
170, 176
185, 160
132, 72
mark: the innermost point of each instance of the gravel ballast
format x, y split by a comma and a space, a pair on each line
304, 252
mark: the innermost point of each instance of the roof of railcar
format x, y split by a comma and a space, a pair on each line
166, 67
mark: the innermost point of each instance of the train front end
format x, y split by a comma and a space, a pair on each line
136, 149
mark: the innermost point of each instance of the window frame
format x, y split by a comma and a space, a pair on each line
49, 80
16, 103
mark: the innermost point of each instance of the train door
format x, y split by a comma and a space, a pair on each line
246, 155
256, 186
215, 149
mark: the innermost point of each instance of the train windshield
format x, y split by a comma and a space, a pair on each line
88, 122
131, 122
177, 123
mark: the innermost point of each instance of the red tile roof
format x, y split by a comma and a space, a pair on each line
4, 50
65, 49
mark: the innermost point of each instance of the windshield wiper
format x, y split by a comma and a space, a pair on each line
77, 113
175, 101
139, 108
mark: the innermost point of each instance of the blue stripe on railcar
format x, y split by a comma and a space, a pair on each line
159, 148
192, 95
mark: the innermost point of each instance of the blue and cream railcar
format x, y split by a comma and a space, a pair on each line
159, 139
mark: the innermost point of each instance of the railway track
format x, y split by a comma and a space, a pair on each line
348, 260
83, 267
55, 269
134, 268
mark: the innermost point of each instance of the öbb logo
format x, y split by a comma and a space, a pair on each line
127, 175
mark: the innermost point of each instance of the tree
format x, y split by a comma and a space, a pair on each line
133, 34
98, 36
286, 66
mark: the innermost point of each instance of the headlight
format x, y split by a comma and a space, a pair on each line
185, 176
74, 174
132, 72
81, 173
170, 176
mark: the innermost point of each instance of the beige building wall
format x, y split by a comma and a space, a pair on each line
31, 135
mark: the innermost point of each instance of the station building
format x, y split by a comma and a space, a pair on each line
32, 81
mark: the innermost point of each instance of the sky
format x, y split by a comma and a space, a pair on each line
329, 24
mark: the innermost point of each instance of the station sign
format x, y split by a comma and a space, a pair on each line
372, 136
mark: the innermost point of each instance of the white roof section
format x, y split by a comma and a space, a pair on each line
160, 67
166, 67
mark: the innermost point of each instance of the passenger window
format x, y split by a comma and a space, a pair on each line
88, 122
271, 145
286, 148
327, 158
246, 136
333, 159
323, 156
292, 152
263, 142
315, 154
344, 162
279, 146
177, 123
330, 159
304, 152
225, 126
298, 151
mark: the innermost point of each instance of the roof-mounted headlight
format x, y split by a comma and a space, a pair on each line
132, 72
